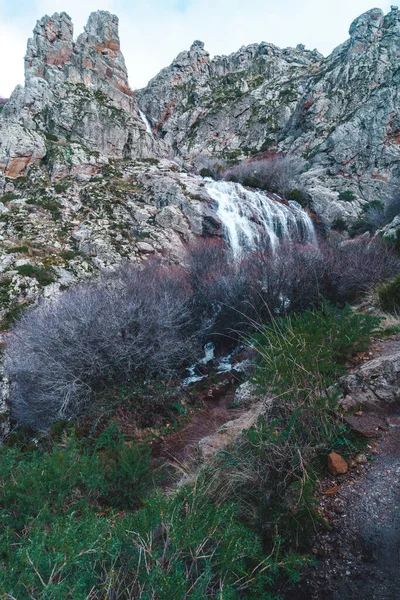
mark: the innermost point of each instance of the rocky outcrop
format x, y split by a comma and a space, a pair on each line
74, 93
55, 233
375, 383
228, 103
340, 113
19, 148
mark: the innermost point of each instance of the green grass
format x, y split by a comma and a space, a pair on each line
82, 519
305, 353
78, 517
271, 470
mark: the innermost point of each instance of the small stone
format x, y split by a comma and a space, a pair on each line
145, 248
361, 459
336, 464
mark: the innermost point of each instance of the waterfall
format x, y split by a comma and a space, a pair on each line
256, 219
146, 122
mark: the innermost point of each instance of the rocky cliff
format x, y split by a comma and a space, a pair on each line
74, 93
84, 184
86, 171
340, 113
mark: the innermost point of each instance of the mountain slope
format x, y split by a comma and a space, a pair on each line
340, 113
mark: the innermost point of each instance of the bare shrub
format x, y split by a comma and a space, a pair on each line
354, 267
133, 324
138, 323
206, 166
219, 287
279, 173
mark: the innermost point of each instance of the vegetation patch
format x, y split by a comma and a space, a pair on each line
48, 204
389, 296
44, 275
347, 196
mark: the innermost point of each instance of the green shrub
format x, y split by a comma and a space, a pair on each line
389, 296
205, 172
61, 187
18, 250
44, 275
14, 311
58, 530
296, 195
69, 254
251, 181
374, 205
347, 196
9, 196
52, 206
51, 137
61, 539
361, 226
267, 143
339, 224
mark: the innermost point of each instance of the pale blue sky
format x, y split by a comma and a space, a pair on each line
153, 32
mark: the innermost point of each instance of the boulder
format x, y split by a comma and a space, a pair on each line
374, 383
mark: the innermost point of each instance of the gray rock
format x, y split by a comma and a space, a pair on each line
74, 91
340, 113
145, 247
376, 382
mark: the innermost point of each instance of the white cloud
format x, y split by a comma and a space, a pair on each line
153, 32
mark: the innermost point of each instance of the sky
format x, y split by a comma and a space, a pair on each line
153, 32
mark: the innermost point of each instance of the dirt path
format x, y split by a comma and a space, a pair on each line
216, 411
360, 558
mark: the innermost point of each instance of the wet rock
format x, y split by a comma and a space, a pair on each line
337, 464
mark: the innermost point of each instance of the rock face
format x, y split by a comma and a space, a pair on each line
75, 92
54, 234
375, 383
340, 113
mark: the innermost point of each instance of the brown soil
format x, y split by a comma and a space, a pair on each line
179, 446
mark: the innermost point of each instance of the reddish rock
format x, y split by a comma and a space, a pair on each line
336, 464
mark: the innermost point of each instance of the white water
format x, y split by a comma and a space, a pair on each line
146, 122
209, 355
256, 219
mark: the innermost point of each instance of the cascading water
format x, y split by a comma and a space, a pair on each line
146, 122
256, 219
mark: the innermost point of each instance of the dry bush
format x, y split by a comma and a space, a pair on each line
279, 173
134, 324
152, 321
354, 267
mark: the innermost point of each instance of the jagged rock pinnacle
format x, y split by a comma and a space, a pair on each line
197, 44
76, 92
